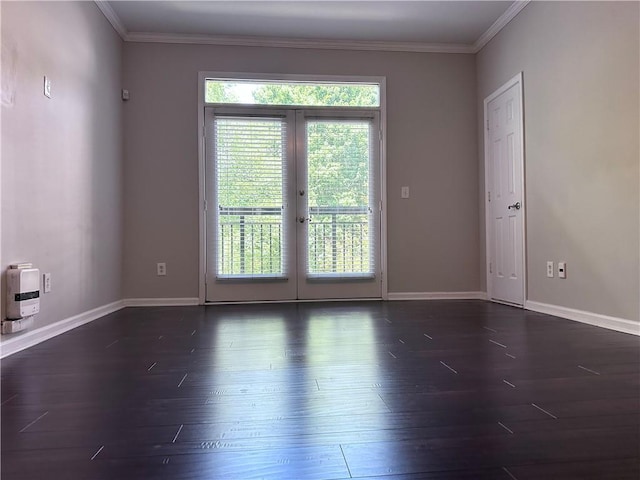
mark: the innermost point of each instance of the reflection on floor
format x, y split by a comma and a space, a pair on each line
402, 390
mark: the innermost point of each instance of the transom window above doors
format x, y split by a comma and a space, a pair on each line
299, 94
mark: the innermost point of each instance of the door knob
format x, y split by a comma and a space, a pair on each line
301, 192
515, 206
303, 219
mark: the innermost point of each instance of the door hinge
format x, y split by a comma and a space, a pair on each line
205, 205
490, 268
489, 196
488, 125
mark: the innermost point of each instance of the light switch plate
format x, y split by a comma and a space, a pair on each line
404, 192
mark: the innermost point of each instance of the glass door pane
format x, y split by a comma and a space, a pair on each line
250, 171
338, 176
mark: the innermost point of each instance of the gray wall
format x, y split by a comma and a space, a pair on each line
62, 157
432, 147
580, 64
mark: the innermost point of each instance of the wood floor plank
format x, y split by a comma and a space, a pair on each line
387, 390
618, 469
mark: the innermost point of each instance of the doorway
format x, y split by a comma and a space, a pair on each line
504, 187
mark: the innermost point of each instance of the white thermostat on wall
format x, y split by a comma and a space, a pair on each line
23, 291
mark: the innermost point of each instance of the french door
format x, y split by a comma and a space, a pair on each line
293, 204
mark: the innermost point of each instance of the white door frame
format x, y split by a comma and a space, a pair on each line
202, 76
516, 80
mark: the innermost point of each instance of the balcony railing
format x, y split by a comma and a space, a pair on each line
250, 241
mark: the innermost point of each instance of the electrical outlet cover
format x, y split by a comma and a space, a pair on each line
562, 269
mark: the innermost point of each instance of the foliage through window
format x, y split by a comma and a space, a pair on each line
311, 94
250, 166
338, 159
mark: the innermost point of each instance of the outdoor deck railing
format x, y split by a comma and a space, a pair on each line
250, 240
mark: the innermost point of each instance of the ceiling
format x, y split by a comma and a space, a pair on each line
398, 25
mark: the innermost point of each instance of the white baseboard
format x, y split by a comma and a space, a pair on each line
11, 344
437, 295
604, 321
161, 302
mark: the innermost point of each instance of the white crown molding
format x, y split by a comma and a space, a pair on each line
15, 342
160, 302
502, 21
244, 41
604, 321
239, 41
112, 17
437, 296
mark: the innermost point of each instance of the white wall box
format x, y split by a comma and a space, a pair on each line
23, 291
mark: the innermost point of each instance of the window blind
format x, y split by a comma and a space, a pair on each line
340, 238
250, 160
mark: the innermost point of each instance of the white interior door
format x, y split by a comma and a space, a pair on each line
293, 204
505, 200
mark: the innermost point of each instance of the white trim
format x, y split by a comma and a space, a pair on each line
383, 188
604, 321
2, 265
161, 302
202, 198
279, 42
506, 86
499, 24
516, 80
309, 300
112, 17
294, 77
437, 296
12, 344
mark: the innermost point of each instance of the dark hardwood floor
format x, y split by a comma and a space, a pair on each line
396, 390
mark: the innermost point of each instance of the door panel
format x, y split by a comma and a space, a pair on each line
505, 163
250, 237
339, 224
